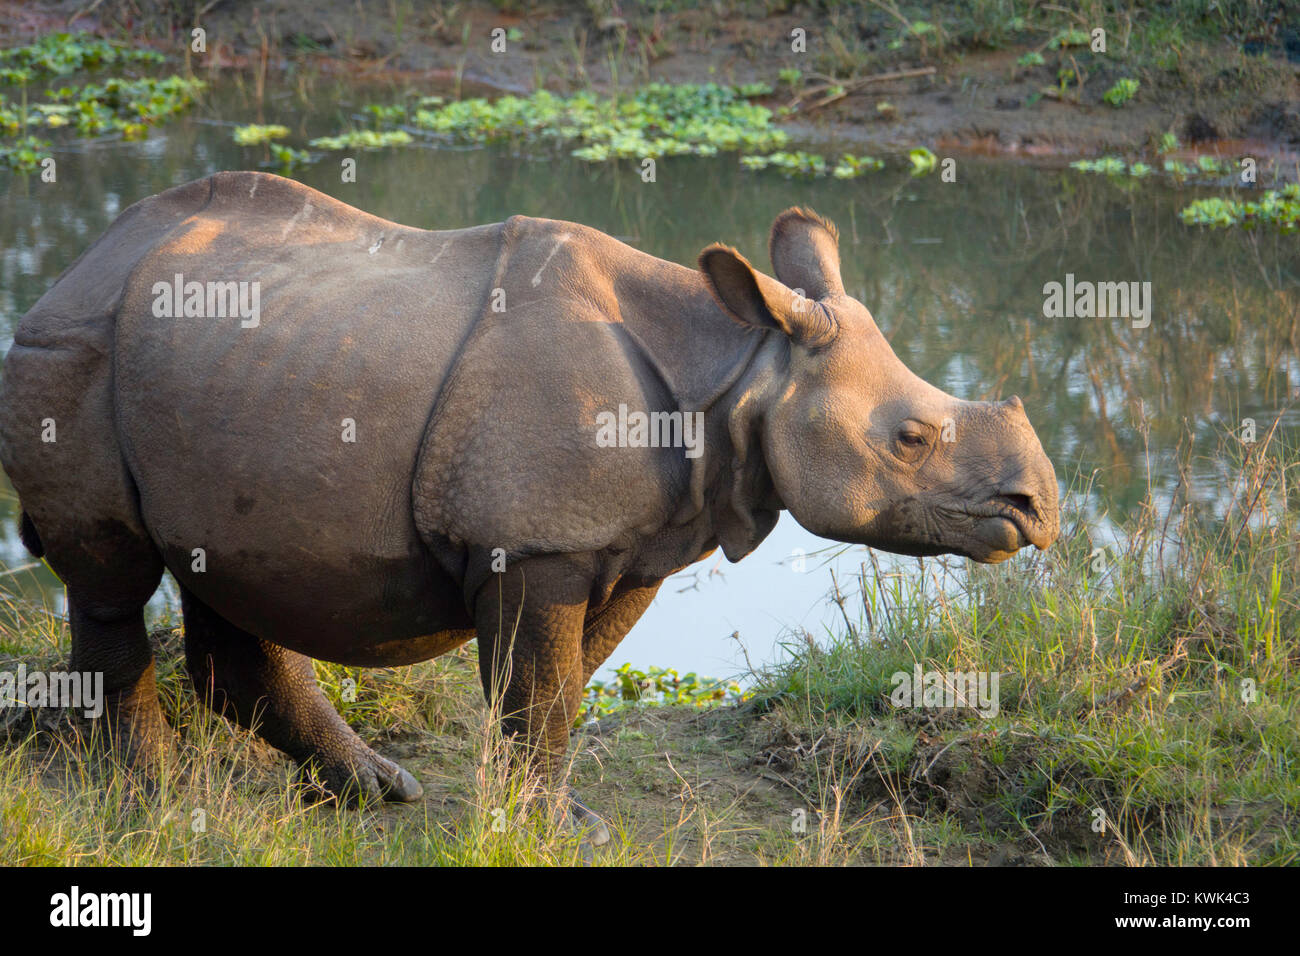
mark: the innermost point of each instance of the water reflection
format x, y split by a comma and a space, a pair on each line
953, 272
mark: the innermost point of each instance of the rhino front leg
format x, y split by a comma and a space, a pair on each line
273, 691
605, 629
530, 623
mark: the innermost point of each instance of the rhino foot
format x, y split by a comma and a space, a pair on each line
367, 777
593, 829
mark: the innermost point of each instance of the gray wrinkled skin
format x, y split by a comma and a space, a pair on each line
473, 364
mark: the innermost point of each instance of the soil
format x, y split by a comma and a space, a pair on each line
974, 100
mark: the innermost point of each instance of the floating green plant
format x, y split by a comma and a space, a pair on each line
797, 163
656, 120
1109, 166
287, 158
24, 154
1274, 208
126, 106
363, 139
850, 167
655, 686
1213, 166
923, 160
800, 163
61, 53
254, 135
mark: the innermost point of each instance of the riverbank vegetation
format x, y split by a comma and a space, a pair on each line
1146, 708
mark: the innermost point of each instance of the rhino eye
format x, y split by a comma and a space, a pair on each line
911, 439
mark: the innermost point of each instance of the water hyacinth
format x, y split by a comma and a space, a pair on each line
362, 139
657, 120
126, 106
810, 164
25, 154
655, 686
1280, 209
59, 54
254, 135
1109, 165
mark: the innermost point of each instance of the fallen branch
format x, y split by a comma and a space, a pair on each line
843, 89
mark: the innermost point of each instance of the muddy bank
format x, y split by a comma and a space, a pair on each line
864, 74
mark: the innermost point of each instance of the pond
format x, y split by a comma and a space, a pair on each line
954, 273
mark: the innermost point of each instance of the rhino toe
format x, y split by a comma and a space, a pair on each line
369, 778
593, 829
395, 783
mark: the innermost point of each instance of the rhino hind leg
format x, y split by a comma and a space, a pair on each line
273, 692
113, 641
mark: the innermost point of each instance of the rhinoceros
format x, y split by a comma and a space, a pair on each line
366, 443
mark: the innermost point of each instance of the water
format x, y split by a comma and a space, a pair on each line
953, 272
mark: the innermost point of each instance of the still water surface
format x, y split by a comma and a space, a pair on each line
953, 272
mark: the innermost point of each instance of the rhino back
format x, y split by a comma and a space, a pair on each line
236, 434
57, 439
513, 460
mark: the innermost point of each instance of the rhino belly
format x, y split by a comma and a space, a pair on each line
375, 611
274, 462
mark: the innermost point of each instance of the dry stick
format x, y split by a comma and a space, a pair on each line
81, 13
850, 86
839, 599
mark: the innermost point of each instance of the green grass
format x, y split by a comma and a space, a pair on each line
1122, 698
1123, 692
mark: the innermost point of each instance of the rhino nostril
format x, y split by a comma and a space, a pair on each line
1022, 503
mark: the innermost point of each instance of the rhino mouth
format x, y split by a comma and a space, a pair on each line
1004, 525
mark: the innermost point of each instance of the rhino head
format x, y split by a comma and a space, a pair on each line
860, 449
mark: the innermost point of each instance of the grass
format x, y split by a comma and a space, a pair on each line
1147, 714
1152, 687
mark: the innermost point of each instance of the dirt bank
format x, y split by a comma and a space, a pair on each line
1031, 86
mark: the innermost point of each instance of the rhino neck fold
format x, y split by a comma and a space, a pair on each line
747, 506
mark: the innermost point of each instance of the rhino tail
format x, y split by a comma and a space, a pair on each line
31, 540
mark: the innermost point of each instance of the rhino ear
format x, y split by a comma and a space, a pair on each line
756, 300
805, 251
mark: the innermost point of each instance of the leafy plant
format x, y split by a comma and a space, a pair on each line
655, 687
362, 139
24, 155
1280, 209
287, 158
1068, 38
797, 163
58, 54
254, 135
1107, 165
1121, 92
850, 167
923, 161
